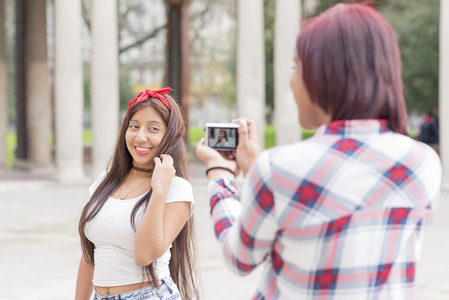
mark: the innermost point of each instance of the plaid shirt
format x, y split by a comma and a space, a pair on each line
337, 216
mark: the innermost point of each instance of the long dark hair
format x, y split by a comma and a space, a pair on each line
352, 65
225, 136
183, 260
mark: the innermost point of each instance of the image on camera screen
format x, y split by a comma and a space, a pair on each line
222, 138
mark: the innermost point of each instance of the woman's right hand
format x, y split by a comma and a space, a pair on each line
163, 174
248, 147
214, 158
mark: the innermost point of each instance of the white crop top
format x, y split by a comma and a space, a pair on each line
113, 237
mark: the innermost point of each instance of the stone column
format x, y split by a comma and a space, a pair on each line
288, 18
38, 89
444, 91
251, 64
3, 90
68, 91
104, 83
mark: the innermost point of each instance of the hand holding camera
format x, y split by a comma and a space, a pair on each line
221, 136
231, 145
248, 148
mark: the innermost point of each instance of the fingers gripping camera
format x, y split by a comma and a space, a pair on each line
222, 136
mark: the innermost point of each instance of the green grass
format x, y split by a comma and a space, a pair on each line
87, 137
270, 136
414, 134
195, 135
11, 144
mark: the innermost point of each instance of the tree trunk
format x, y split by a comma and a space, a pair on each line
22, 132
178, 53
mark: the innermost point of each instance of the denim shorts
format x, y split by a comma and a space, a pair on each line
167, 291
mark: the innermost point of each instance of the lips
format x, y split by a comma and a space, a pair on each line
142, 150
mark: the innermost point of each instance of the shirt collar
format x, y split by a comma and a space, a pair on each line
350, 128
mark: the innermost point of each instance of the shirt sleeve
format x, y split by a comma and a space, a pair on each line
97, 183
180, 190
245, 224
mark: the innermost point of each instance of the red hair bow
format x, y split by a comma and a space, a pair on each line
142, 96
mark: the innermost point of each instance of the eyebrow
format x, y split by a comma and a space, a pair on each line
153, 121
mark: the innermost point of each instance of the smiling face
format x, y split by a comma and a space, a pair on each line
144, 134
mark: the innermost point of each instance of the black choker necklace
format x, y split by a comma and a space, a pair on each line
142, 170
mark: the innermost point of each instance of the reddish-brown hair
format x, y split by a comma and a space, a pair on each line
183, 259
352, 65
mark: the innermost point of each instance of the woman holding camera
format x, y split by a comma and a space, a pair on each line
339, 215
137, 228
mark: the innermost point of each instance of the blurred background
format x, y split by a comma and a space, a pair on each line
71, 67
68, 69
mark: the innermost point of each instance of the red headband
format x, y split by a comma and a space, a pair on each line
142, 96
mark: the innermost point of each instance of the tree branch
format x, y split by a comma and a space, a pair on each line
143, 39
85, 13
156, 31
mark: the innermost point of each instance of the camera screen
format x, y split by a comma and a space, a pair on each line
225, 138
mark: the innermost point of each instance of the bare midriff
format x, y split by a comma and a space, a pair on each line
115, 290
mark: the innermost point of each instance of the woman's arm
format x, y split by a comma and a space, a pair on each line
246, 230
84, 286
161, 222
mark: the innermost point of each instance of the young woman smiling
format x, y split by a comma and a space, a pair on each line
137, 228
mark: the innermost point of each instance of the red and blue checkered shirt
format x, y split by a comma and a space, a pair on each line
337, 216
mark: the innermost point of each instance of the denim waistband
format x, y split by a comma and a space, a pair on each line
142, 293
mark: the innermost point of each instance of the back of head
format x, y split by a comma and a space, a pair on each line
352, 65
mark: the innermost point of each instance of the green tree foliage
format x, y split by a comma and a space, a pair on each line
126, 91
416, 24
269, 29
322, 5
86, 88
9, 47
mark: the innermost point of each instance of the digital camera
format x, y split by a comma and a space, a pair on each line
222, 136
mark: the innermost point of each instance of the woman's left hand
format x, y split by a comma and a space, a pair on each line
163, 174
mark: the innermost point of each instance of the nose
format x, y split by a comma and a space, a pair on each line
141, 135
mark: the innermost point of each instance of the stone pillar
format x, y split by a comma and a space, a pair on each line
288, 18
251, 64
38, 89
68, 91
3, 89
444, 91
104, 83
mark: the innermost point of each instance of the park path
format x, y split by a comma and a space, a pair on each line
39, 246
